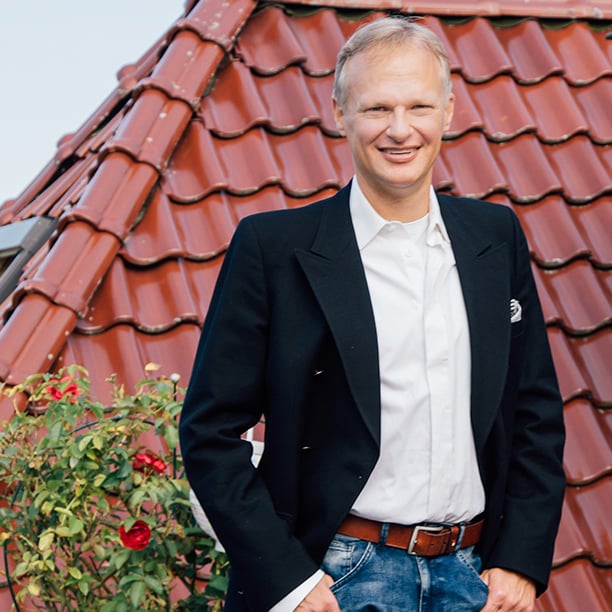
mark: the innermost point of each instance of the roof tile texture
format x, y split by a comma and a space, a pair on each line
229, 114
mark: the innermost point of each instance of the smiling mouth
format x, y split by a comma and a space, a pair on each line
399, 152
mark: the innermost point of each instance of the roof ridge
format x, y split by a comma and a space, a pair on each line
568, 9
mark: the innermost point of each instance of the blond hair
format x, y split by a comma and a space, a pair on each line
384, 33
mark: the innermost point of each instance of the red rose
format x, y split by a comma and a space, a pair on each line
142, 460
159, 466
137, 537
55, 393
71, 390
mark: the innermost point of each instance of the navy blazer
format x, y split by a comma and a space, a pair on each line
290, 335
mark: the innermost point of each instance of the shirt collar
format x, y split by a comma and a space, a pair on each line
367, 223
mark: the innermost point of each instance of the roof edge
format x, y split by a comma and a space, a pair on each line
543, 9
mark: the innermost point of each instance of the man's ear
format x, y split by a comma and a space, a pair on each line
448, 111
338, 116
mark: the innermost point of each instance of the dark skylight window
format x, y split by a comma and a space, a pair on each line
18, 243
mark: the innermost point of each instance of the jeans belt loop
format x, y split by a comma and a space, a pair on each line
384, 531
462, 527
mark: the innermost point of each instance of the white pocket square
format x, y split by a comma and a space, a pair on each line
516, 311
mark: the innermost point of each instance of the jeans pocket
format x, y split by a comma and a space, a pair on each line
472, 561
344, 558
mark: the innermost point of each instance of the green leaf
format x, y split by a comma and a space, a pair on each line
112, 606
217, 585
120, 559
136, 592
125, 470
41, 496
154, 584
84, 587
128, 579
33, 588
75, 525
54, 434
21, 569
45, 540
122, 607
84, 442
129, 522
75, 572
54, 485
170, 433
137, 497
63, 531
171, 547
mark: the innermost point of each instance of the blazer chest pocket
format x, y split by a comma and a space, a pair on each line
517, 329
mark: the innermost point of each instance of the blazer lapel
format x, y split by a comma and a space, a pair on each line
483, 273
335, 272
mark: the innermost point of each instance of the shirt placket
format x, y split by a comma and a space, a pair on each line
437, 347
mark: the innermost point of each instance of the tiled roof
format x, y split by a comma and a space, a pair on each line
229, 114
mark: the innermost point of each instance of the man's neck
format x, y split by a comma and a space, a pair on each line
404, 206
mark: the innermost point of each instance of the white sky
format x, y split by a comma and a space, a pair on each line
58, 63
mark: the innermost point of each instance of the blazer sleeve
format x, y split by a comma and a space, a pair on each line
536, 481
225, 397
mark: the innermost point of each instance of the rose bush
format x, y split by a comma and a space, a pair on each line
94, 518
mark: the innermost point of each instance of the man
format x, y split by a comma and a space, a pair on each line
394, 343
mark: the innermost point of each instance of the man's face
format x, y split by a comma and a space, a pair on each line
394, 116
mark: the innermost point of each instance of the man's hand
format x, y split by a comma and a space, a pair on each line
320, 599
508, 591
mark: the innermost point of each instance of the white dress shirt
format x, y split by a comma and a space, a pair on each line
427, 469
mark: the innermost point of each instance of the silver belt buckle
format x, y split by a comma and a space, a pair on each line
415, 534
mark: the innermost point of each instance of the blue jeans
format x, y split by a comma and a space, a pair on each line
378, 578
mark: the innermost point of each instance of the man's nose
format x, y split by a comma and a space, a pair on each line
400, 124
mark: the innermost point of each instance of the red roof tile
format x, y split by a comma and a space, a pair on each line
595, 221
579, 585
566, 119
215, 122
557, 287
473, 166
578, 538
467, 40
172, 229
502, 109
579, 68
533, 59
589, 431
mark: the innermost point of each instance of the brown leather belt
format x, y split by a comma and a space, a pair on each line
425, 540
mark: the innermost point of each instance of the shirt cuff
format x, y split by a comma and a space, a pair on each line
290, 602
